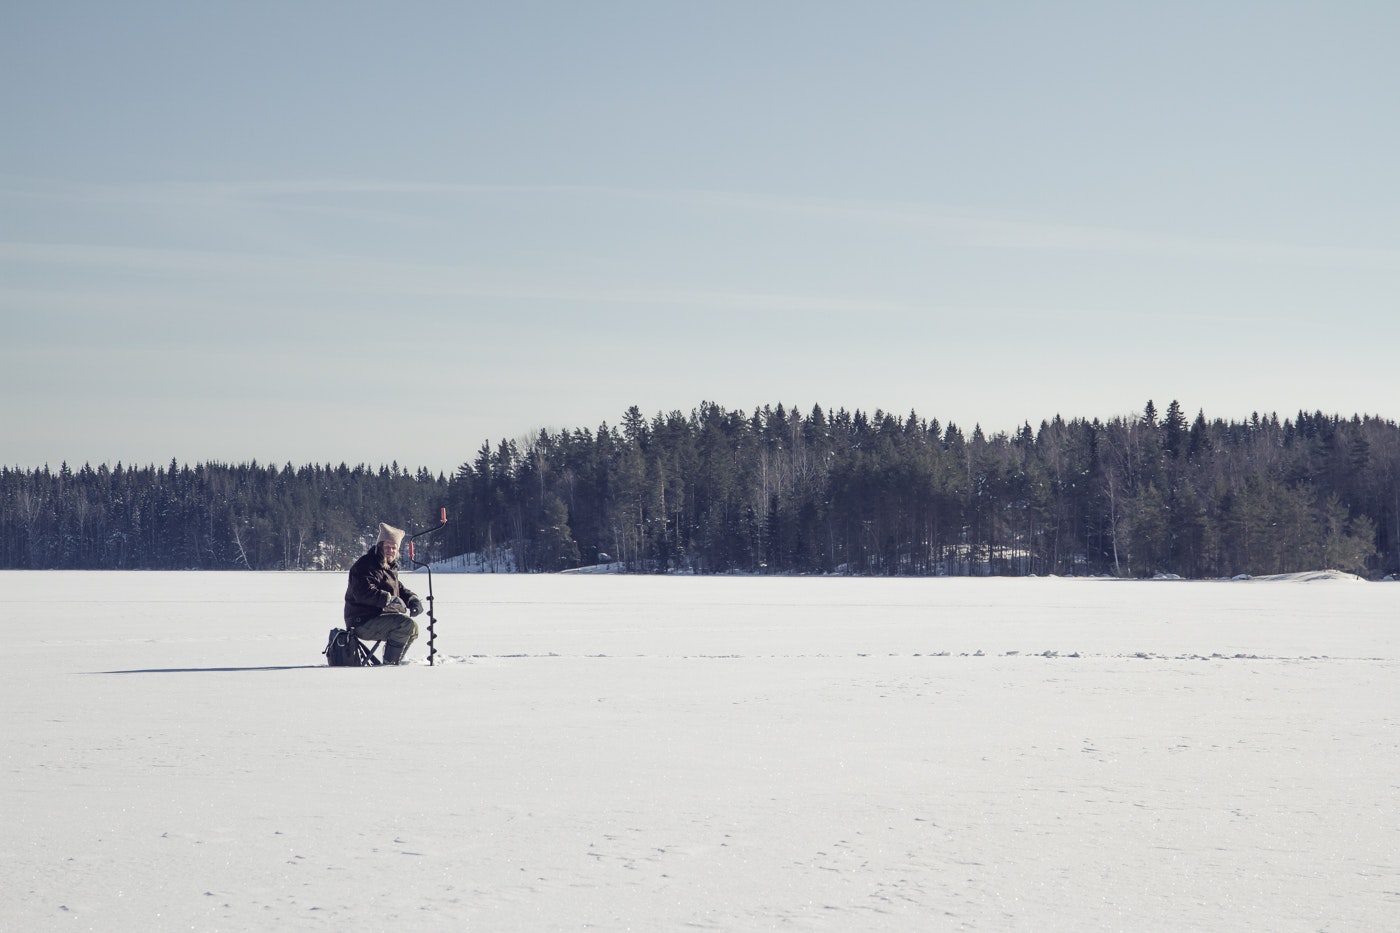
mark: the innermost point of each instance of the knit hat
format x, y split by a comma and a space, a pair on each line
389, 533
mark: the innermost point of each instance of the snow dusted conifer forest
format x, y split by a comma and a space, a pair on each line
642, 752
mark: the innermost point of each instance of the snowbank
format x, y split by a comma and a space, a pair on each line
1311, 576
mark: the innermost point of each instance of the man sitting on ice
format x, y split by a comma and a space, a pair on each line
377, 607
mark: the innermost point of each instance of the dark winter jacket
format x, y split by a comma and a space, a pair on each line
372, 584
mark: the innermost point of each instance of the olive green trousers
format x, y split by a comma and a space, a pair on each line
391, 627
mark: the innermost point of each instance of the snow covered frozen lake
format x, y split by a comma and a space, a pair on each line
644, 753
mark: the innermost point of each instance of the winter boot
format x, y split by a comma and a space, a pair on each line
393, 652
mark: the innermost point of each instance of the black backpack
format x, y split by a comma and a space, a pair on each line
342, 649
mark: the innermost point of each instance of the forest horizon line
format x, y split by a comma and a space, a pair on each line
774, 490
528, 436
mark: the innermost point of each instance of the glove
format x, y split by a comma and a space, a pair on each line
415, 606
396, 606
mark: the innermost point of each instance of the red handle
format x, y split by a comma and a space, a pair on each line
410, 550
443, 519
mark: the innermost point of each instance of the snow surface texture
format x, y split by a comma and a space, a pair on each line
614, 753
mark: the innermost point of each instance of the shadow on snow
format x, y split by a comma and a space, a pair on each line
211, 670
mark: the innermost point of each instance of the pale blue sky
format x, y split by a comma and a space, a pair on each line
326, 232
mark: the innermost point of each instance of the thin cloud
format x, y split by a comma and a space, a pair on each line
951, 227
334, 274
960, 227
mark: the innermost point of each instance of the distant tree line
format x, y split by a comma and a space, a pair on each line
776, 491
208, 517
779, 491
